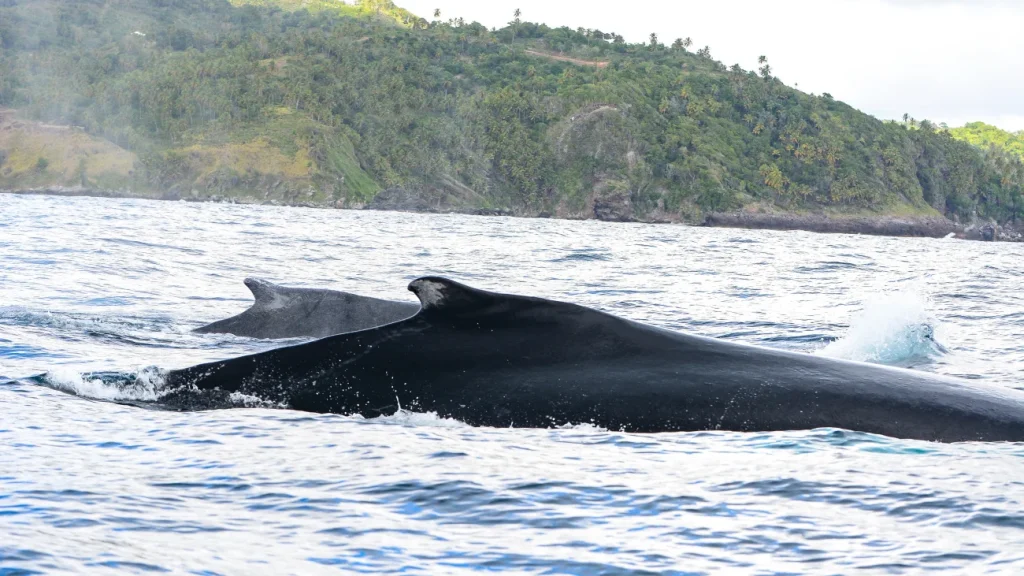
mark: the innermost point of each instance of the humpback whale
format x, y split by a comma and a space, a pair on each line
282, 312
499, 360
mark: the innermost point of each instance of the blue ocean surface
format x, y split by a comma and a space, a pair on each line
91, 485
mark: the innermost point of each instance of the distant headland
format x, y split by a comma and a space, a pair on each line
326, 104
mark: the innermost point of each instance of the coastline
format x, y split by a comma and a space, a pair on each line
880, 225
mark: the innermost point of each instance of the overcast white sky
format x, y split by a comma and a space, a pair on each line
950, 61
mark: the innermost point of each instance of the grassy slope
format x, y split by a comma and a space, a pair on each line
45, 155
238, 163
272, 159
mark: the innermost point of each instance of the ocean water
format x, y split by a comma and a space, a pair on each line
88, 485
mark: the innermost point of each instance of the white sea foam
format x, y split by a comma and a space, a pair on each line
420, 419
432, 420
892, 328
143, 385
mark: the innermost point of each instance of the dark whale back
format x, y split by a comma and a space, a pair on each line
498, 360
282, 312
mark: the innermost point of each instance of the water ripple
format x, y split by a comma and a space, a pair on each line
90, 486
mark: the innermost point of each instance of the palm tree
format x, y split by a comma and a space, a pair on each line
762, 59
906, 117
654, 40
687, 43
678, 44
515, 23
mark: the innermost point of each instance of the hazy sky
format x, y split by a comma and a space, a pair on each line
950, 61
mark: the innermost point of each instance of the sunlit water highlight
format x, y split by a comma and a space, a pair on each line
90, 486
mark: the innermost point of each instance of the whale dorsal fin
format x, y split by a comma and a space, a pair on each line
441, 294
264, 292
441, 297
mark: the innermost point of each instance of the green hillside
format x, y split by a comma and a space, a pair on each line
384, 8
987, 137
321, 102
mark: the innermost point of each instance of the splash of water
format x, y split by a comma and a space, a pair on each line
894, 329
145, 385
420, 419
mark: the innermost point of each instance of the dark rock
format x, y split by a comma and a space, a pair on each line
404, 200
492, 212
926, 226
614, 208
445, 195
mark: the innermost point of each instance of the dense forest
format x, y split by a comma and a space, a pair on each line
314, 101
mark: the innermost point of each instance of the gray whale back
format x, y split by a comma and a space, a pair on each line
283, 312
498, 360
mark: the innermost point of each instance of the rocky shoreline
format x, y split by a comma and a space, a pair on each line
881, 225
